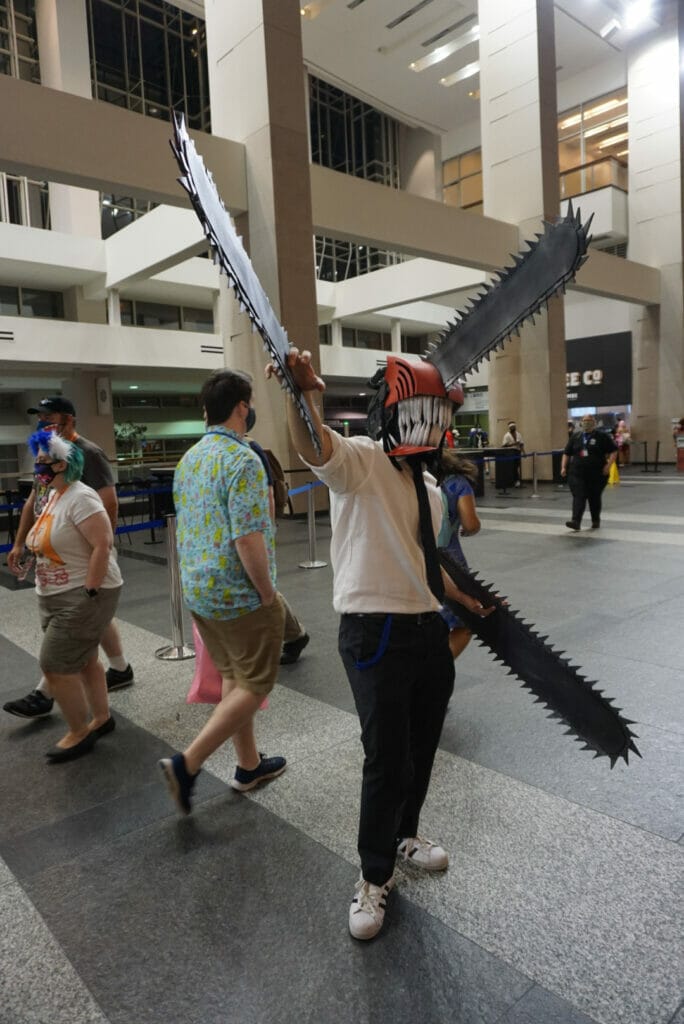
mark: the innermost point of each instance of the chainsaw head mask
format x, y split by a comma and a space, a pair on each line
411, 408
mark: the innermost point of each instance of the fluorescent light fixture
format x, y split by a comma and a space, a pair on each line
600, 108
441, 53
610, 28
599, 128
623, 152
637, 13
613, 140
458, 76
133, 387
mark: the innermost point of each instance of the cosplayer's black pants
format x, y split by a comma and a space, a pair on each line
587, 487
402, 676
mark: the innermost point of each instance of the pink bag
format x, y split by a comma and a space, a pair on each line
207, 682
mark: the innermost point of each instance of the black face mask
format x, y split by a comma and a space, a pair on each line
251, 419
44, 472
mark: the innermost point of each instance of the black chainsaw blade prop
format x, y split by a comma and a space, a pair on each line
569, 696
230, 255
515, 295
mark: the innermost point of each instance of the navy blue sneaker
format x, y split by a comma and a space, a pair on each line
179, 780
268, 768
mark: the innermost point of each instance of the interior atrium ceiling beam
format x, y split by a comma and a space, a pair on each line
353, 209
162, 238
411, 281
55, 136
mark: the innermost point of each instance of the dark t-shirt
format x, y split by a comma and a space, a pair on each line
597, 445
97, 473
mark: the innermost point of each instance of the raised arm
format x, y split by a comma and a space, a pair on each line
309, 382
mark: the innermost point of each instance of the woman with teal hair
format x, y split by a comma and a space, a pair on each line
78, 584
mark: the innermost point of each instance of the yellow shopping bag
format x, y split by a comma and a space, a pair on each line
613, 476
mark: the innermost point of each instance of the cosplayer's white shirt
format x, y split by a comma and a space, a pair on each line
376, 554
62, 553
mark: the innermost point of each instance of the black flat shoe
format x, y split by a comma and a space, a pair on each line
108, 726
58, 754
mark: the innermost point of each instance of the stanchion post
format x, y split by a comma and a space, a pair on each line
657, 457
152, 512
313, 562
645, 469
178, 650
534, 475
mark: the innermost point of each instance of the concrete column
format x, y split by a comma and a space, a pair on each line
113, 307
255, 53
420, 162
97, 426
520, 144
336, 333
395, 329
655, 232
62, 31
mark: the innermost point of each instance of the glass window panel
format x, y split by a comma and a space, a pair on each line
42, 304
349, 337
471, 190
198, 320
14, 201
471, 162
569, 154
325, 334
126, 310
571, 184
153, 314
5, 64
451, 170
35, 204
9, 301
452, 195
108, 45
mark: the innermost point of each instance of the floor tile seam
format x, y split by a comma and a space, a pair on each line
500, 774
62, 952
586, 535
647, 519
676, 1013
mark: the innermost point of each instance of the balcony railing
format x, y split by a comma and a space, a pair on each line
592, 176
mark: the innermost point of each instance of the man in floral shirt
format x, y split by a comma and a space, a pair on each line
227, 562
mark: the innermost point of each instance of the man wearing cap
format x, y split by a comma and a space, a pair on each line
60, 414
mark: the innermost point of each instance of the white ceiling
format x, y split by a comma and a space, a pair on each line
356, 50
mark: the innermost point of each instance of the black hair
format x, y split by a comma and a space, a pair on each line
222, 391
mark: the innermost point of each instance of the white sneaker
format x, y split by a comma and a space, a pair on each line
367, 910
423, 854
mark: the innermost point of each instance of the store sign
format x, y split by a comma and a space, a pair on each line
599, 370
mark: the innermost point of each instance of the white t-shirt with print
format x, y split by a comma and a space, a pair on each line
376, 553
62, 552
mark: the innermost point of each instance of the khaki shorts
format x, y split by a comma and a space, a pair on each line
248, 648
73, 624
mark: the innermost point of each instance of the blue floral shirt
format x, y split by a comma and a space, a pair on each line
221, 494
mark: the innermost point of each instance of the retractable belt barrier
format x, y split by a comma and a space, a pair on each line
312, 562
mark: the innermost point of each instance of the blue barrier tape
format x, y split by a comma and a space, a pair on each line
5, 547
155, 524
9, 508
305, 487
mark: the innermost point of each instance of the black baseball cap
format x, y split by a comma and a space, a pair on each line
54, 404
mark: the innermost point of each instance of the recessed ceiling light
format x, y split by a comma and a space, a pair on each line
458, 76
599, 128
441, 53
610, 28
613, 140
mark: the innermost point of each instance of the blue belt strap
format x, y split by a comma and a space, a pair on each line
382, 647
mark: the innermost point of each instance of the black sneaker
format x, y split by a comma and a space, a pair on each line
117, 680
572, 525
293, 648
268, 768
34, 705
596, 525
179, 780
